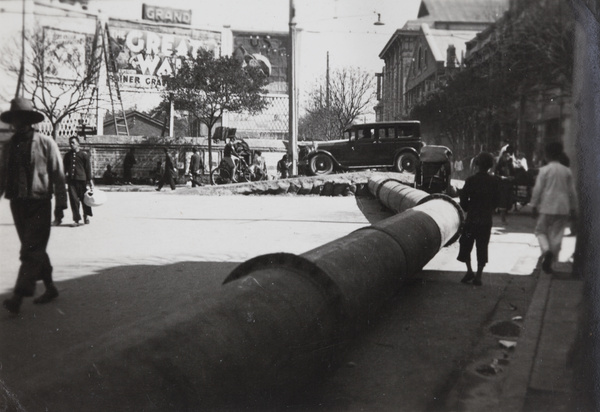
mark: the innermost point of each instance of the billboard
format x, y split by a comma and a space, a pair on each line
66, 53
144, 53
166, 14
267, 50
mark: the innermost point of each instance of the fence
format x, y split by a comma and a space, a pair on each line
69, 126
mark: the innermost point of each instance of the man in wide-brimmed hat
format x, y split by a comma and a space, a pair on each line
30, 172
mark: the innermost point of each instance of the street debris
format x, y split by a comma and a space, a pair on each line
507, 344
491, 369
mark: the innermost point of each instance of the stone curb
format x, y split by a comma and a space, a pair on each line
516, 383
346, 184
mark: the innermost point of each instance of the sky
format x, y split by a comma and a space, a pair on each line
344, 28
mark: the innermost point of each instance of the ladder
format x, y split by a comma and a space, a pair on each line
119, 118
84, 128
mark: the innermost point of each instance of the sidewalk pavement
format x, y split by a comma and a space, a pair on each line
543, 376
541, 372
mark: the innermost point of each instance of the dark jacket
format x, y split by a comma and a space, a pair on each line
479, 198
129, 160
196, 163
169, 167
47, 176
77, 166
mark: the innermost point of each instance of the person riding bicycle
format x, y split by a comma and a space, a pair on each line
231, 157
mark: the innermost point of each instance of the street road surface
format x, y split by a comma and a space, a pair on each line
135, 228
161, 228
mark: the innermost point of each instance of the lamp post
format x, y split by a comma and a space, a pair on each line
292, 92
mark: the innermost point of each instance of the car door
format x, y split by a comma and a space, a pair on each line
388, 144
365, 147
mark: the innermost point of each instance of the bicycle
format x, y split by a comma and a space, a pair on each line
221, 175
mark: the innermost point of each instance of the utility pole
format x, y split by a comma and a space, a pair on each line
327, 92
21, 79
293, 108
328, 99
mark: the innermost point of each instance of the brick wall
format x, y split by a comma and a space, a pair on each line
111, 150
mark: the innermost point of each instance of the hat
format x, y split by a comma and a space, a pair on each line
23, 108
93, 198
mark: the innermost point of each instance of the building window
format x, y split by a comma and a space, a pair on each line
420, 58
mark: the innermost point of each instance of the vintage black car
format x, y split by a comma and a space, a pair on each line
370, 145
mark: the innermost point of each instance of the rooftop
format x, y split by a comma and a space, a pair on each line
485, 11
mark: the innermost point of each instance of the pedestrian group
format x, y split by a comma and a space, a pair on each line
553, 202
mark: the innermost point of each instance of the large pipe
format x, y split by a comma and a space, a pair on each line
397, 196
272, 328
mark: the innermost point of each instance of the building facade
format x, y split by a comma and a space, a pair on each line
401, 55
436, 56
542, 108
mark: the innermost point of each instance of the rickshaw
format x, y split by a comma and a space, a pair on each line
523, 185
434, 169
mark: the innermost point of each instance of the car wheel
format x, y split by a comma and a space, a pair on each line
406, 162
321, 164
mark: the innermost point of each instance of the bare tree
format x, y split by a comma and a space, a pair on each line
208, 86
349, 95
60, 73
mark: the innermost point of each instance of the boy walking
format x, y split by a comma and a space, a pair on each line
478, 198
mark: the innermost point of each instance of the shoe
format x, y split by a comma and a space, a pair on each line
56, 222
50, 294
157, 189
477, 280
76, 224
547, 262
13, 305
86, 221
468, 277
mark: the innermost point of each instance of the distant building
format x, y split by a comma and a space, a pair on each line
544, 113
400, 54
437, 54
139, 124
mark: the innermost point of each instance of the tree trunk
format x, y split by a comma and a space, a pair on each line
55, 130
209, 151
